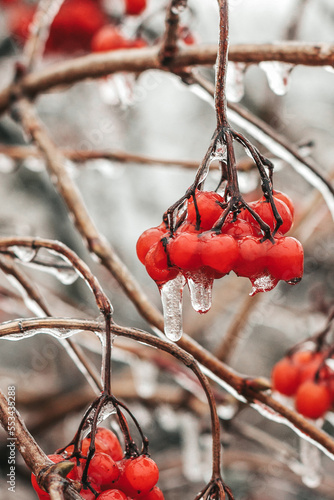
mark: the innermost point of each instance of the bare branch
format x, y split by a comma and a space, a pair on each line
241, 385
97, 65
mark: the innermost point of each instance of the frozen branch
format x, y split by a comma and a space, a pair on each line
242, 386
71, 71
170, 38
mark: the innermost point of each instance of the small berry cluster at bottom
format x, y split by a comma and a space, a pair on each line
305, 376
111, 475
238, 246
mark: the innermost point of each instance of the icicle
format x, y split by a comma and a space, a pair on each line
145, 375
168, 418
34, 164
118, 90
227, 410
106, 168
200, 288
179, 7
205, 441
7, 164
191, 456
219, 153
171, 297
263, 283
235, 81
278, 75
24, 254
311, 460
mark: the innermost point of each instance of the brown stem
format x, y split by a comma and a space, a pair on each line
170, 38
75, 70
221, 69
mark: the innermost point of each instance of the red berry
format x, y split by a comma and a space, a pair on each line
313, 400
239, 228
141, 474
107, 442
112, 495
154, 494
156, 264
74, 26
308, 362
263, 208
185, 251
209, 206
286, 199
251, 261
102, 471
218, 251
286, 259
147, 239
135, 7
285, 377
109, 37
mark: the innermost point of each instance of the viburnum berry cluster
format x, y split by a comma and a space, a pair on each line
111, 474
201, 244
306, 374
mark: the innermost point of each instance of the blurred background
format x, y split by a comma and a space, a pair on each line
157, 116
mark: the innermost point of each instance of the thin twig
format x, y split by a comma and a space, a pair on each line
170, 38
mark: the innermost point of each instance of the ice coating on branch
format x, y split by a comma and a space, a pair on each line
311, 459
263, 283
59, 333
7, 165
191, 455
278, 74
24, 254
179, 6
145, 374
219, 153
171, 297
200, 288
235, 88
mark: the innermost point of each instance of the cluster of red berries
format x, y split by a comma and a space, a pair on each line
79, 25
305, 376
110, 475
237, 246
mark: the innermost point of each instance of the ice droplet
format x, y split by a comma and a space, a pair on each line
227, 410
167, 417
34, 164
191, 456
277, 75
171, 297
145, 375
66, 275
330, 69
200, 288
263, 283
311, 460
235, 88
118, 90
24, 254
179, 7
107, 168
7, 164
